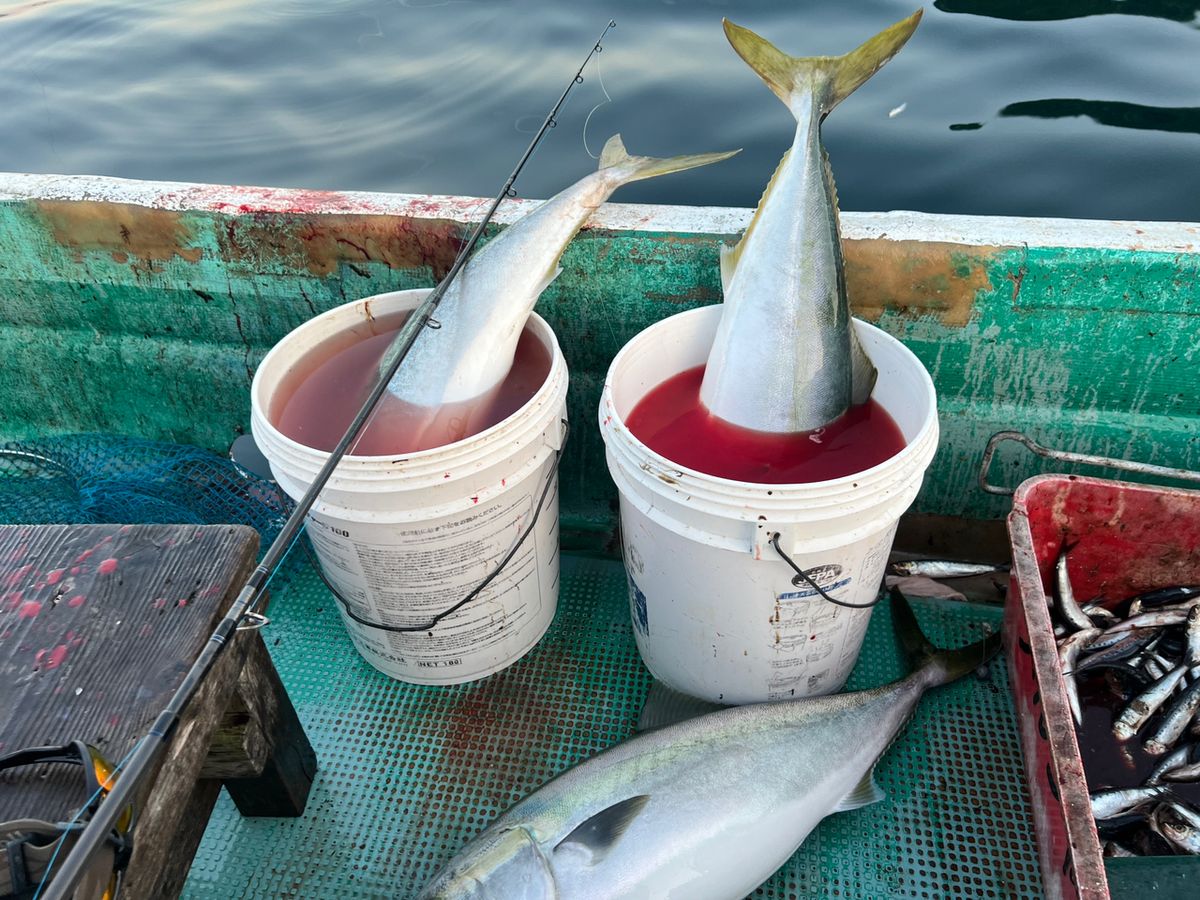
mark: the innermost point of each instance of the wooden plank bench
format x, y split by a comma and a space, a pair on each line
98, 625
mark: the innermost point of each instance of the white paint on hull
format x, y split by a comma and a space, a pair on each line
1000, 231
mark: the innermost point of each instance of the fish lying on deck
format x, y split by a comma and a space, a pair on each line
696, 809
786, 357
485, 308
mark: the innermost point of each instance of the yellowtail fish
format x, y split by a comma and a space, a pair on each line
786, 357
485, 309
692, 809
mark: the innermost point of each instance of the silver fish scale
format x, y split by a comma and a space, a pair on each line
781, 359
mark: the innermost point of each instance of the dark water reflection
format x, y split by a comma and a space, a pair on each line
439, 96
1049, 10
1110, 112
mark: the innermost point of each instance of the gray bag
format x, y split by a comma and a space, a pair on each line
30, 844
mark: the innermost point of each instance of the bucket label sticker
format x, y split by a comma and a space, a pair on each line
807, 635
876, 558
637, 603
827, 576
409, 574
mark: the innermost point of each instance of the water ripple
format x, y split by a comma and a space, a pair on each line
441, 97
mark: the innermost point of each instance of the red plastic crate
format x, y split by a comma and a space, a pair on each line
1129, 538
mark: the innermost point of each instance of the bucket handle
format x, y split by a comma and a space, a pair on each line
802, 577
1086, 459
478, 589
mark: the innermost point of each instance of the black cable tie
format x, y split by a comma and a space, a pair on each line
802, 577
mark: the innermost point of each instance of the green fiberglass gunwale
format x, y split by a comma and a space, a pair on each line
143, 308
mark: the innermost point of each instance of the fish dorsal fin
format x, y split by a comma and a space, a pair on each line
864, 793
665, 706
599, 833
614, 152
731, 255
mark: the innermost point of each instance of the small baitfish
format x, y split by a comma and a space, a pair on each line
945, 568
705, 809
786, 357
485, 309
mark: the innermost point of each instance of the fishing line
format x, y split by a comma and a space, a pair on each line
607, 99
146, 752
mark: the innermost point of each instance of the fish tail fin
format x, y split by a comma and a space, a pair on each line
923, 655
833, 78
635, 168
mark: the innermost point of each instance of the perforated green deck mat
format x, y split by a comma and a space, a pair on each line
408, 774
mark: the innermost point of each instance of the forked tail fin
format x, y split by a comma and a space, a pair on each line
831, 78
635, 168
942, 665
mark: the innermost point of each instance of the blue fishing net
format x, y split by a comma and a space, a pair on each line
99, 478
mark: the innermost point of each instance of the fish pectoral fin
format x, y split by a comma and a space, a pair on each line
865, 793
600, 833
549, 280
665, 706
863, 373
729, 260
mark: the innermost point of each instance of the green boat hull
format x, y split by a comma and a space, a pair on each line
143, 308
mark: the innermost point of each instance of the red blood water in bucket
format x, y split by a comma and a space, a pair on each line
672, 421
317, 400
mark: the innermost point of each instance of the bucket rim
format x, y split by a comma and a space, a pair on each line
434, 455
613, 424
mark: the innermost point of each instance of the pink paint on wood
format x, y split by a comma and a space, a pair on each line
29, 609
76, 601
19, 575
55, 576
107, 567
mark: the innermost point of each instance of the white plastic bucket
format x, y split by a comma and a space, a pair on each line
404, 538
716, 612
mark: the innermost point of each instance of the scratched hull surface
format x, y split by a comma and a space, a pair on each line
189, 285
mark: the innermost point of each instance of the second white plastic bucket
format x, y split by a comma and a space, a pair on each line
717, 611
404, 538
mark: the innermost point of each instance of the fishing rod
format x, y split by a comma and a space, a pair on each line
145, 754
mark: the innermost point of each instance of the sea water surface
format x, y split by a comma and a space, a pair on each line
1082, 108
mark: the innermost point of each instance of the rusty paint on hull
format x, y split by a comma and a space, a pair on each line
916, 278
320, 243
139, 235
